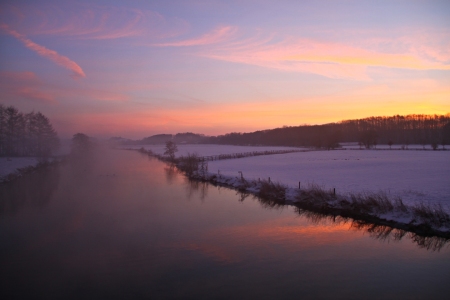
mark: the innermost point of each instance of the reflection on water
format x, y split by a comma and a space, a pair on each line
378, 232
194, 187
171, 173
121, 225
33, 189
386, 233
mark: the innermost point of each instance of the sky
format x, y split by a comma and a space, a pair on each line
137, 68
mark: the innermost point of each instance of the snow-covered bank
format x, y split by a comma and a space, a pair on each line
376, 208
13, 167
415, 176
9, 165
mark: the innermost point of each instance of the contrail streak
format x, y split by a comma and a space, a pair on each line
47, 53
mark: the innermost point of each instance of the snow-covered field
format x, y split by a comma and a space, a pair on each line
415, 176
11, 164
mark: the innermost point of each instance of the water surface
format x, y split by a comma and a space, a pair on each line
122, 225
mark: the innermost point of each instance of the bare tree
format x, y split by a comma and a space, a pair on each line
170, 150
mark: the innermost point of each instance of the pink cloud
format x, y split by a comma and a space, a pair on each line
329, 59
47, 53
24, 85
218, 35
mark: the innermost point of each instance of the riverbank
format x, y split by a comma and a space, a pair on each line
15, 167
374, 208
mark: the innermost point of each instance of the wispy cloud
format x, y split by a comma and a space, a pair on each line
329, 59
91, 21
218, 35
47, 53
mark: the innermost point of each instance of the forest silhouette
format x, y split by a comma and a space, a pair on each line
418, 129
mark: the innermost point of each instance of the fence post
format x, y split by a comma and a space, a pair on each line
299, 185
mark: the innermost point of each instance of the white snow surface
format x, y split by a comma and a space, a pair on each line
9, 165
415, 176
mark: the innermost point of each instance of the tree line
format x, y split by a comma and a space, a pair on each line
401, 130
26, 134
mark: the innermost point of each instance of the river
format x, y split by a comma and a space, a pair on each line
118, 224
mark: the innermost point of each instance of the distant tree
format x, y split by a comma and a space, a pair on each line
81, 144
434, 145
390, 143
170, 150
26, 134
368, 138
46, 137
12, 130
332, 140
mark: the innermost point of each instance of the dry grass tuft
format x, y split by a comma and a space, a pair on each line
431, 214
272, 190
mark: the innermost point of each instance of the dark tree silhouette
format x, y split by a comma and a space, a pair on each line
404, 130
43, 133
26, 135
170, 150
390, 143
81, 144
369, 138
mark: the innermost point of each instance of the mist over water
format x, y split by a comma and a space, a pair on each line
116, 224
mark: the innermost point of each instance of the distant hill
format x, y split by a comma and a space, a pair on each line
179, 138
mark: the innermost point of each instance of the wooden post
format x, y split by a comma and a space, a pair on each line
269, 179
299, 185
334, 191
